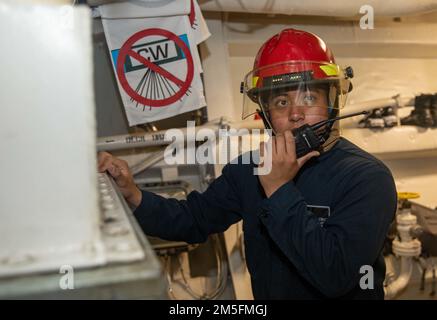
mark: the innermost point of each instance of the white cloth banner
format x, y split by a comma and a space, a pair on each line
156, 62
154, 9
145, 9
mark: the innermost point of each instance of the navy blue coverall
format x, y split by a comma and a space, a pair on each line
309, 239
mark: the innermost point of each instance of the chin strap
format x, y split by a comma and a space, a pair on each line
266, 122
333, 133
332, 137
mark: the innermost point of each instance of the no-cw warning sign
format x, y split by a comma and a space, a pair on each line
159, 81
157, 69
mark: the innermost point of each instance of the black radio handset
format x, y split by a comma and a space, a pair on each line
308, 138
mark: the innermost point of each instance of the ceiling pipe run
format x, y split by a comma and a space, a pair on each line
333, 8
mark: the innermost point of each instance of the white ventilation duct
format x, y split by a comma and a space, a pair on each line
333, 8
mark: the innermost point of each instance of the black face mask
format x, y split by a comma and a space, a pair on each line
311, 138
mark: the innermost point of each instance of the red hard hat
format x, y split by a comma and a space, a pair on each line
293, 57
293, 45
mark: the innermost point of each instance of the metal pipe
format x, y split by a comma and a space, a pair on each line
158, 138
149, 139
333, 8
380, 103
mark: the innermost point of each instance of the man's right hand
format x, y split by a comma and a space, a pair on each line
119, 170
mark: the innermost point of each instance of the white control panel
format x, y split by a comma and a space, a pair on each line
119, 239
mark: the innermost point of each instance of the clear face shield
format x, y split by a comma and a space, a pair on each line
320, 89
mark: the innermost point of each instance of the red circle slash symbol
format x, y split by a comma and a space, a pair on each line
126, 50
